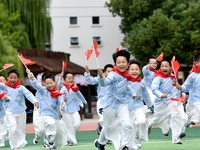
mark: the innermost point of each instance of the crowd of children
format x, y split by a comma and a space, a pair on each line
122, 98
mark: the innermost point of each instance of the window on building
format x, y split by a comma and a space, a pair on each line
95, 20
98, 39
73, 21
47, 46
74, 41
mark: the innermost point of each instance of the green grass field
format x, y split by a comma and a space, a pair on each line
157, 141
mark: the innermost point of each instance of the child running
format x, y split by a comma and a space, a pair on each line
15, 109
100, 92
149, 72
2, 114
70, 114
136, 106
192, 85
49, 105
165, 111
117, 125
37, 121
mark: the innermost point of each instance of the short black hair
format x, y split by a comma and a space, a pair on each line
3, 76
43, 76
108, 66
122, 52
150, 57
66, 73
167, 60
134, 61
49, 76
14, 71
196, 57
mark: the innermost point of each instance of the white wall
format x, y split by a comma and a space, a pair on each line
108, 30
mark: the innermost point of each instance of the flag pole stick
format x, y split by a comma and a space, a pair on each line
3, 69
23, 63
86, 60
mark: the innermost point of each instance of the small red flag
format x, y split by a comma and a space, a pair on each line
160, 57
95, 46
175, 66
5, 66
26, 61
179, 99
88, 53
117, 49
2, 94
64, 65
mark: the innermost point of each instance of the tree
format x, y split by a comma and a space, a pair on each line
34, 15
152, 27
12, 37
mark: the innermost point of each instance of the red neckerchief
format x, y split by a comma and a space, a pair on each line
123, 74
55, 93
130, 78
195, 69
152, 69
160, 74
71, 86
16, 85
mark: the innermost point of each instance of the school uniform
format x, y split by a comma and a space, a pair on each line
166, 113
100, 93
37, 121
117, 125
3, 129
192, 85
70, 115
49, 106
149, 75
16, 114
137, 109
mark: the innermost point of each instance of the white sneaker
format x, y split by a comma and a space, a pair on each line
138, 143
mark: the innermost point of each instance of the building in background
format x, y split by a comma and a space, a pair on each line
76, 23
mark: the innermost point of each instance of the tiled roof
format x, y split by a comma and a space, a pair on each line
50, 61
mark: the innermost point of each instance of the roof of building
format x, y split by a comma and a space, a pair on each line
50, 61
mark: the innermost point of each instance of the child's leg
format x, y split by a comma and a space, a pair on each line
127, 139
140, 123
38, 126
50, 128
100, 114
76, 120
3, 131
67, 120
175, 122
16, 127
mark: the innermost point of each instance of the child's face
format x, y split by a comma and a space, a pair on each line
134, 70
121, 63
153, 63
165, 67
2, 79
197, 63
107, 71
49, 83
69, 79
12, 78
